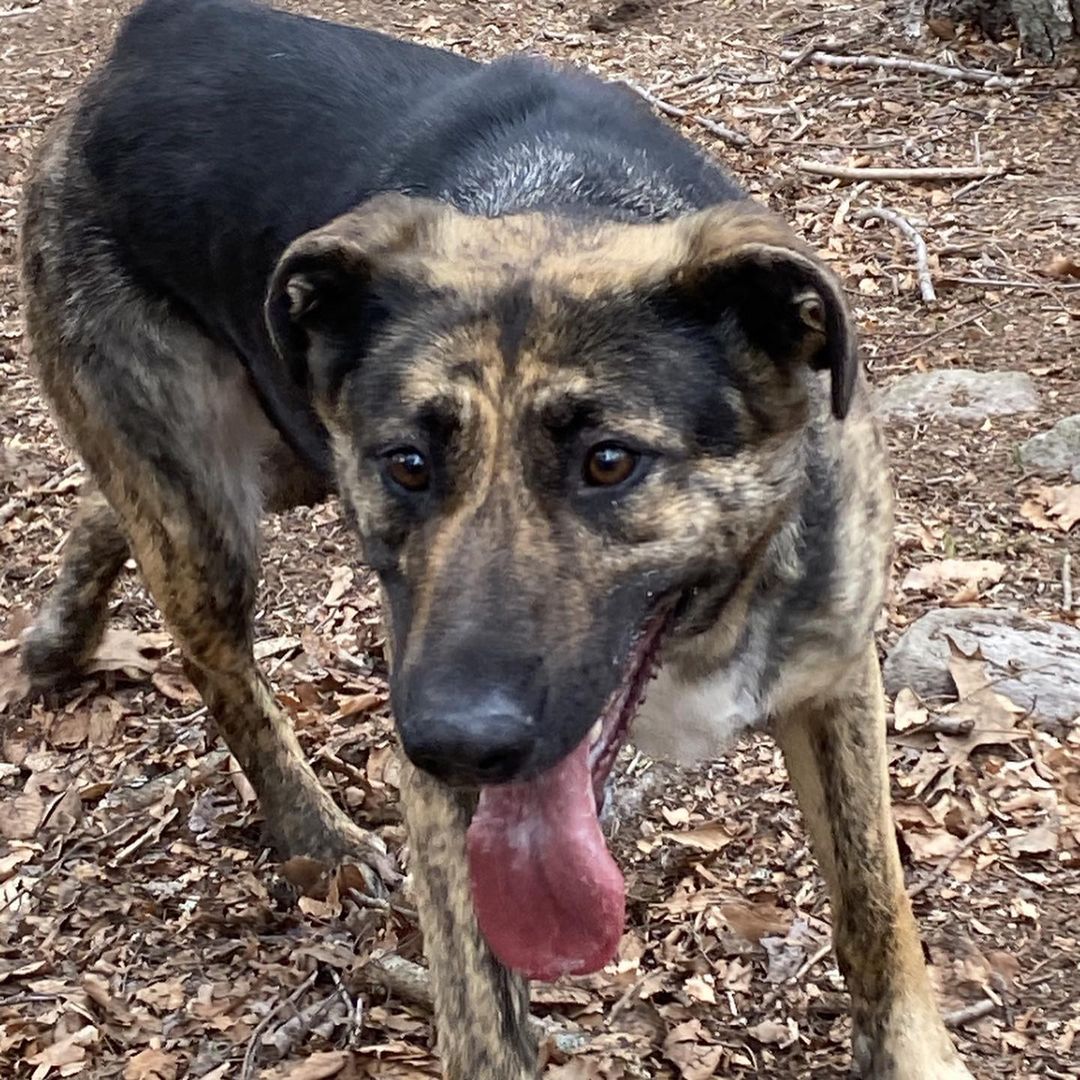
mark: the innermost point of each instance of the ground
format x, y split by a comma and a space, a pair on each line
145, 932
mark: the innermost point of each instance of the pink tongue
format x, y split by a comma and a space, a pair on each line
548, 896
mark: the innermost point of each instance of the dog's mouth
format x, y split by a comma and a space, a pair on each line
548, 896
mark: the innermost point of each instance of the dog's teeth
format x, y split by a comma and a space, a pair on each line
595, 732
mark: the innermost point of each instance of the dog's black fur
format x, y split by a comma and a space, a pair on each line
255, 126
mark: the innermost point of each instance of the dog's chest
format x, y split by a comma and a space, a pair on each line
688, 722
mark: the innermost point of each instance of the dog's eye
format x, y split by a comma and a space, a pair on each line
609, 464
409, 469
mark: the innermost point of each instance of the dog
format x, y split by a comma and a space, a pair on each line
599, 420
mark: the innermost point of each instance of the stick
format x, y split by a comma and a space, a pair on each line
959, 1017
939, 725
939, 870
1066, 582
410, 983
989, 79
853, 172
248, 1069
922, 265
729, 135
1002, 283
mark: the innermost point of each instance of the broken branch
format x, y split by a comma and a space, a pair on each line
721, 131
922, 263
855, 172
990, 79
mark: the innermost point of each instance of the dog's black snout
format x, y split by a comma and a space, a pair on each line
471, 742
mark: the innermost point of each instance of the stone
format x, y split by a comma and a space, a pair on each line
1054, 453
959, 394
1034, 663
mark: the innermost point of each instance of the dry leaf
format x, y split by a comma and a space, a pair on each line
772, 1032
125, 650
1063, 266
151, 1064
685, 1048
1041, 840
908, 711
315, 1067
711, 837
929, 576
14, 685
20, 815
1054, 508
69, 1050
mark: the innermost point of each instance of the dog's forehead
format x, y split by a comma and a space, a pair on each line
546, 254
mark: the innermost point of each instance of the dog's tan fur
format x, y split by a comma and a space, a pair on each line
176, 499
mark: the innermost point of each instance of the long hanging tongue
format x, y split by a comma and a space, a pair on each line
547, 893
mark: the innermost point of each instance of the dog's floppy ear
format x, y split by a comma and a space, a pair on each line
321, 286
742, 258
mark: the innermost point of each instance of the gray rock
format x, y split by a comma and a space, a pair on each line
959, 394
1056, 452
1034, 663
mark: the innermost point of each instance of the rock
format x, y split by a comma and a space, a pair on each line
959, 394
1034, 663
1056, 452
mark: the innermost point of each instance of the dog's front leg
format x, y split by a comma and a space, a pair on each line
836, 757
481, 1008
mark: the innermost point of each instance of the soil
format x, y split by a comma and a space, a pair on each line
144, 930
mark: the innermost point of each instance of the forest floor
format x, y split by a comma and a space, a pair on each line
144, 931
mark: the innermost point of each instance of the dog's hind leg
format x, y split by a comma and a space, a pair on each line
68, 628
481, 1009
836, 757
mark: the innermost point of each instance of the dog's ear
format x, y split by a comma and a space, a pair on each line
321, 289
741, 258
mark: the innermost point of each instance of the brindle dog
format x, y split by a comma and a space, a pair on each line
598, 417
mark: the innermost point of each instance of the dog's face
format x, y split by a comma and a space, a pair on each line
562, 442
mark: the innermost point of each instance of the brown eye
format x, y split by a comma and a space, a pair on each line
609, 464
409, 469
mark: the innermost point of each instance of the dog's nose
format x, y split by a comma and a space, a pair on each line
489, 740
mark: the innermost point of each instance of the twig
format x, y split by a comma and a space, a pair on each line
939, 725
729, 135
959, 1017
248, 1069
922, 264
989, 79
11, 12
855, 172
410, 983
1066, 582
939, 871
1004, 283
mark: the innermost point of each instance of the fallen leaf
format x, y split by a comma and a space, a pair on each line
1063, 266
908, 711
1054, 508
151, 1064
316, 1067
20, 815
711, 837
772, 1032
69, 1050
1041, 840
927, 577
70, 729
124, 650
14, 685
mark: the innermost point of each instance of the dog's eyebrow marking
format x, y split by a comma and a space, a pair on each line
513, 310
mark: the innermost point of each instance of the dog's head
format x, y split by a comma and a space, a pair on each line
563, 441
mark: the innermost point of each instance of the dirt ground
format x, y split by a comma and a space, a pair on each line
144, 931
